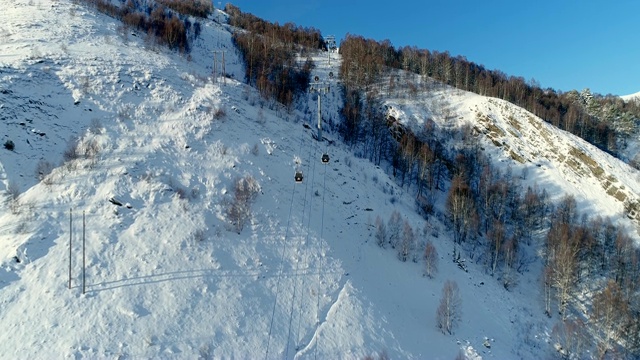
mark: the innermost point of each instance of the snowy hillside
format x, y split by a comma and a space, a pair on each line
541, 154
166, 275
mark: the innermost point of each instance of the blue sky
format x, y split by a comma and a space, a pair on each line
563, 44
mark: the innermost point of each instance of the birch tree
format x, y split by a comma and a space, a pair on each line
430, 260
449, 311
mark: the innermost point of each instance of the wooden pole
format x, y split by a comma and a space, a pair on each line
215, 65
319, 117
70, 235
224, 71
83, 256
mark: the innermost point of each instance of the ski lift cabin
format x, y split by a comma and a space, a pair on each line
325, 158
298, 176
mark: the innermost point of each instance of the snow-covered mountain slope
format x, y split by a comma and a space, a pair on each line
166, 277
540, 153
635, 96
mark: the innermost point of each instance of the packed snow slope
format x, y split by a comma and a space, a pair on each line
166, 275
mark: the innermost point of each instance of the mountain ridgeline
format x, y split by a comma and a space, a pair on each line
604, 121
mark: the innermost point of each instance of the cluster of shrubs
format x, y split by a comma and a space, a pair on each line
238, 206
165, 20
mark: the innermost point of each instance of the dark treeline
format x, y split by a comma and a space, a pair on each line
269, 52
288, 33
605, 121
166, 20
198, 8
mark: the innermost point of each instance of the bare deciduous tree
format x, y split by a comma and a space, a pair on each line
430, 259
571, 337
245, 191
71, 152
43, 169
449, 311
547, 289
381, 232
509, 251
562, 261
394, 228
610, 313
407, 242
13, 192
460, 207
495, 241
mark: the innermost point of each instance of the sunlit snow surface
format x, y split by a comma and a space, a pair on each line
166, 277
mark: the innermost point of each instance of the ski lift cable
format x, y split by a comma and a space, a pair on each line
312, 151
308, 235
280, 270
281, 265
320, 262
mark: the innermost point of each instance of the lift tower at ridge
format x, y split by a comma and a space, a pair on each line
320, 88
330, 40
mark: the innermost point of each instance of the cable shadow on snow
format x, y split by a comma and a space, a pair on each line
256, 275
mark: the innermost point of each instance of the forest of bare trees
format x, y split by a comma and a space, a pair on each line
605, 121
269, 52
165, 21
500, 225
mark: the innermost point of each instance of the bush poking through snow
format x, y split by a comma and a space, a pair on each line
219, 113
89, 148
76, 149
381, 232
200, 235
382, 355
71, 152
245, 190
13, 192
9, 145
43, 169
96, 127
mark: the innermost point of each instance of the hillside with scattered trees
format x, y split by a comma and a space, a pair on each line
605, 121
494, 220
168, 22
270, 53
432, 196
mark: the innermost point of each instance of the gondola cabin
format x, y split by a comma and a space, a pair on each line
298, 176
325, 158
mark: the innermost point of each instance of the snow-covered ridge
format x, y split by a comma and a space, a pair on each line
635, 96
555, 159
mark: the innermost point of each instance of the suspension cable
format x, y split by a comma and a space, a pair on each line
281, 266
